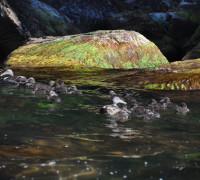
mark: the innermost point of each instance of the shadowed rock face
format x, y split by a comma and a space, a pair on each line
101, 49
169, 30
30, 18
11, 32
169, 35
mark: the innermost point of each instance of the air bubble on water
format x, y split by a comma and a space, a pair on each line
145, 163
25, 166
66, 146
111, 173
43, 164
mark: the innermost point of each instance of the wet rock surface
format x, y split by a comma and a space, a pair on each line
172, 76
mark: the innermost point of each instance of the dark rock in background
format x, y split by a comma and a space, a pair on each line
170, 24
29, 18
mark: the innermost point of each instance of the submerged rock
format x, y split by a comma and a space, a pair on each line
103, 49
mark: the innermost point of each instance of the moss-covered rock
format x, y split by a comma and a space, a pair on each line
180, 75
104, 49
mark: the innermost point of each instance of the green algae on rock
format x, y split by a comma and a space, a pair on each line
103, 49
182, 75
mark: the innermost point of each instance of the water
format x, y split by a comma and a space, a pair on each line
72, 140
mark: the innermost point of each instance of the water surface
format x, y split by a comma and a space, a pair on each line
72, 140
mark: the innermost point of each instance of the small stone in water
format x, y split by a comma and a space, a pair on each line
111, 173
25, 166
66, 146
145, 163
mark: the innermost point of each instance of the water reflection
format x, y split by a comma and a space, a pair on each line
71, 140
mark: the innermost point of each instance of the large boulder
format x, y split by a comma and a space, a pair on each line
103, 49
29, 18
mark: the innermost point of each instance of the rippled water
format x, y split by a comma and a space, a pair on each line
71, 140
